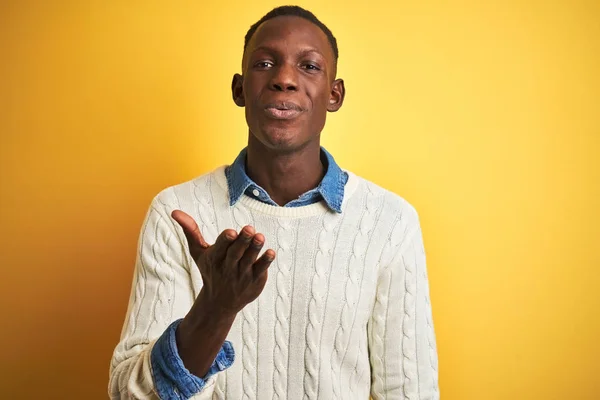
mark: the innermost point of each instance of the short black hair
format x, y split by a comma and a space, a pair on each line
294, 11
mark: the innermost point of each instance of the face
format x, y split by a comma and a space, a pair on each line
288, 83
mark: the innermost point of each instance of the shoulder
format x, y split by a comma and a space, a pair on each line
189, 193
398, 223
391, 204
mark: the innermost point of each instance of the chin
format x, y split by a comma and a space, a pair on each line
280, 138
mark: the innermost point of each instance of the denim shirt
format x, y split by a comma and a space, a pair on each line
331, 188
172, 380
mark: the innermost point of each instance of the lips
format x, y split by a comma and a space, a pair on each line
283, 110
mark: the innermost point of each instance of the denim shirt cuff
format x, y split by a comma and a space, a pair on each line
172, 380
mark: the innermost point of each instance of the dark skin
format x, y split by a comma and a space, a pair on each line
287, 87
289, 59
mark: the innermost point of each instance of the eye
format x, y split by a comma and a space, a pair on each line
263, 64
311, 67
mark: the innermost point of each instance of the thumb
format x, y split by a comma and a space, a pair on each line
196, 242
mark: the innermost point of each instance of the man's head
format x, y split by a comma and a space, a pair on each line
288, 81
296, 11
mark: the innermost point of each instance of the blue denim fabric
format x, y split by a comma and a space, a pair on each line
331, 188
172, 380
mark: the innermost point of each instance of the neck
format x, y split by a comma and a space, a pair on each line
284, 175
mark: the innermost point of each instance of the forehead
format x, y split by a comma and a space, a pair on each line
289, 32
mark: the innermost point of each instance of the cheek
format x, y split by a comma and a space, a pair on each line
323, 92
252, 89
317, 95
319, 104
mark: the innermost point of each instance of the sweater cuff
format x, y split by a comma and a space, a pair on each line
172, 380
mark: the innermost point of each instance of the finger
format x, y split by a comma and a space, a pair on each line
192, 233
251, 253
190, 227
219, 249
263, 263
238, 248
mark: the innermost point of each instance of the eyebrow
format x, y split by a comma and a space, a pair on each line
302, 52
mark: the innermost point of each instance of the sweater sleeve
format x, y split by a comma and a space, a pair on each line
402, 344
145, 362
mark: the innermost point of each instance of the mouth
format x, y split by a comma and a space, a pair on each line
283, 110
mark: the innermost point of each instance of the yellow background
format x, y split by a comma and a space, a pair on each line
484, 115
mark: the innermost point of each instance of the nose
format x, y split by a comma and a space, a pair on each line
284, 78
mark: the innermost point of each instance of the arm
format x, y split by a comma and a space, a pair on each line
404, 365
170, 367
146, 361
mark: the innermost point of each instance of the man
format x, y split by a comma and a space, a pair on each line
344, 312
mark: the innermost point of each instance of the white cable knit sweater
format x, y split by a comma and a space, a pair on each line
345, 313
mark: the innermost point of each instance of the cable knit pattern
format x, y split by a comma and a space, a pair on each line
164, 290
379, 314
285, 239
409, 352
140, 285
304, 337
205, 208
220, 390
370, 220
360, 244
419, 261
431, 343
243, 217
317, 304
378, 346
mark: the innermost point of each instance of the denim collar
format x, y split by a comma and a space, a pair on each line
331, 188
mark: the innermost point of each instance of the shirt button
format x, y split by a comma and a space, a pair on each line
256, 192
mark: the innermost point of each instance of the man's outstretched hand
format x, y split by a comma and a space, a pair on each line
232, 277
231, 274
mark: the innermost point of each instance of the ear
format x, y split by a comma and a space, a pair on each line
237, 90
336, 97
